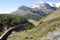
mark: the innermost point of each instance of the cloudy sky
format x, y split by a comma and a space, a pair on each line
7, 6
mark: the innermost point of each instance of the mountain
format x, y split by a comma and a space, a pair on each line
44, 5
24, 8
35, 13
47, 29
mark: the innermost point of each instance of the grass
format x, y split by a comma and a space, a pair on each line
44, 27
34, 22
38, 32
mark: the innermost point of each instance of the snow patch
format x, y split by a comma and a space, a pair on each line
39, 4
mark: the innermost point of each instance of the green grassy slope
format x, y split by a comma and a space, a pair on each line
7, 21
54, 15
46, 25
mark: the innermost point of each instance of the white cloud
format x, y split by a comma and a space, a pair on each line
3, 11
57, 4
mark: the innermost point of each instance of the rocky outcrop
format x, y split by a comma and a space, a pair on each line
55, 35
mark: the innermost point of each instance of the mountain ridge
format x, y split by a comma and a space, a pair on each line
50, 3
34, 13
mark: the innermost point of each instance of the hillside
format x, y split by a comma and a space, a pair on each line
54, 15
47, 25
